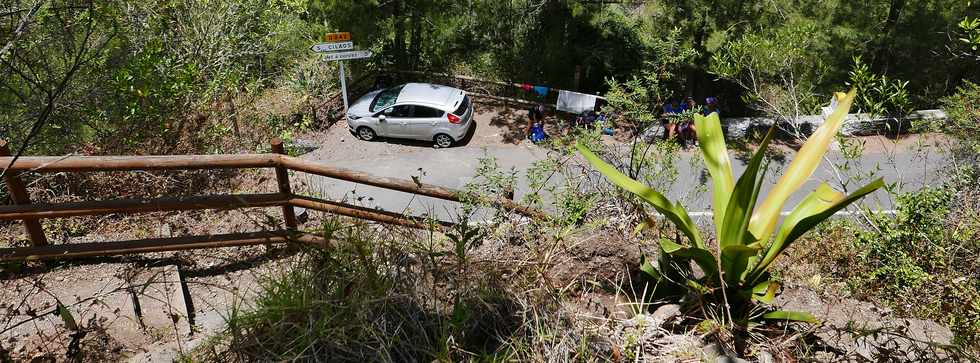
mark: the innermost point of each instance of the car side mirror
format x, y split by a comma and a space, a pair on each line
382, 118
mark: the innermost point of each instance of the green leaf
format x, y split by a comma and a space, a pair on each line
821, 204
648, 268
734, 260
783, 315
694, 285
735, 256
666, 288
674, 212
739, 211
712, 142
765, 292
701, 256
66, 317
800, 169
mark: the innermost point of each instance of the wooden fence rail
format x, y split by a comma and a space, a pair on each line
23, 209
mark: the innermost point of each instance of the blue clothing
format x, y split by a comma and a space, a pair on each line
671, 109
542, 91
537, 133
706, 112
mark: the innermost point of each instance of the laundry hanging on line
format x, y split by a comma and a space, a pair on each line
540, 91
575, 102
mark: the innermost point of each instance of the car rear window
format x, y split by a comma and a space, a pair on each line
386, 98
461, 110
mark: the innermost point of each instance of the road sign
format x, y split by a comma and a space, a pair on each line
337, 37
340, 41
338, 56
330, 47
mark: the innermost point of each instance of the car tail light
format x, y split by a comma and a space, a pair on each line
453, 119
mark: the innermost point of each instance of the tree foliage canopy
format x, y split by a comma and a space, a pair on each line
135, 71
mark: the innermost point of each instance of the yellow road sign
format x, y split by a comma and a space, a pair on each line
337, 37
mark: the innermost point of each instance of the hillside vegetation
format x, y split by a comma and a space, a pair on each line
617, 272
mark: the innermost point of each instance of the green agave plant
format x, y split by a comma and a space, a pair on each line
737, 273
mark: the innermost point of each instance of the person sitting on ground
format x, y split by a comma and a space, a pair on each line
686, 127
535, 124
671, 111
604, 119
711, 105
535, 114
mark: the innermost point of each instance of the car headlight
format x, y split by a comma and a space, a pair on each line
353, 117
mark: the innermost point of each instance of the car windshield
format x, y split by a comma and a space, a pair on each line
385, 98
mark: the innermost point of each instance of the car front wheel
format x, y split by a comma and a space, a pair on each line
442, 141
365, 133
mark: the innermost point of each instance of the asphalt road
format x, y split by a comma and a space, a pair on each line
909, 164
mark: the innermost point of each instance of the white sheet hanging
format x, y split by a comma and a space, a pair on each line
575, 102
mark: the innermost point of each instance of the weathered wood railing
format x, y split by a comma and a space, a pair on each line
30, 213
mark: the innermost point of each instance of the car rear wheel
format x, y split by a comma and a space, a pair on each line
365, 133
442, 141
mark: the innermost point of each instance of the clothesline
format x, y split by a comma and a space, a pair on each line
568, 101
543, 91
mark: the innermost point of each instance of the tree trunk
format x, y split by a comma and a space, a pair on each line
398, 48
880, 60
416, 54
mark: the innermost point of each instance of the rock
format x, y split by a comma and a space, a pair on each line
860, 124
666, 313
857, 329
712, 351
766, 357
303, 146
166, 230
730, 359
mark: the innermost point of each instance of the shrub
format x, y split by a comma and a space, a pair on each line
924, 262
963, 112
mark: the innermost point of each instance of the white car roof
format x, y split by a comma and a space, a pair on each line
443, 97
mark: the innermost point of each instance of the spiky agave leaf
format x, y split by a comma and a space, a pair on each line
705, 260
803, 165
815, 208
712, 142
783, 315
673, 211
737, 244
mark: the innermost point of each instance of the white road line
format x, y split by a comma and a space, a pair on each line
710, 214
845, 213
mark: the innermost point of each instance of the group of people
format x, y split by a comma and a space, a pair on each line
678, 117
535, 123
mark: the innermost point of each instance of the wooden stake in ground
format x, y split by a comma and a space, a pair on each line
19, 196
282, 176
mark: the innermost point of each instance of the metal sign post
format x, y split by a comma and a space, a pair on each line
335, 42
343, 86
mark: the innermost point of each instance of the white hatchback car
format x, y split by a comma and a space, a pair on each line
419, 111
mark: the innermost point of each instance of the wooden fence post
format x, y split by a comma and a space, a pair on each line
282, 175
18, 194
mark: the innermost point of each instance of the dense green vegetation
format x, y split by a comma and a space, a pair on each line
164, 76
